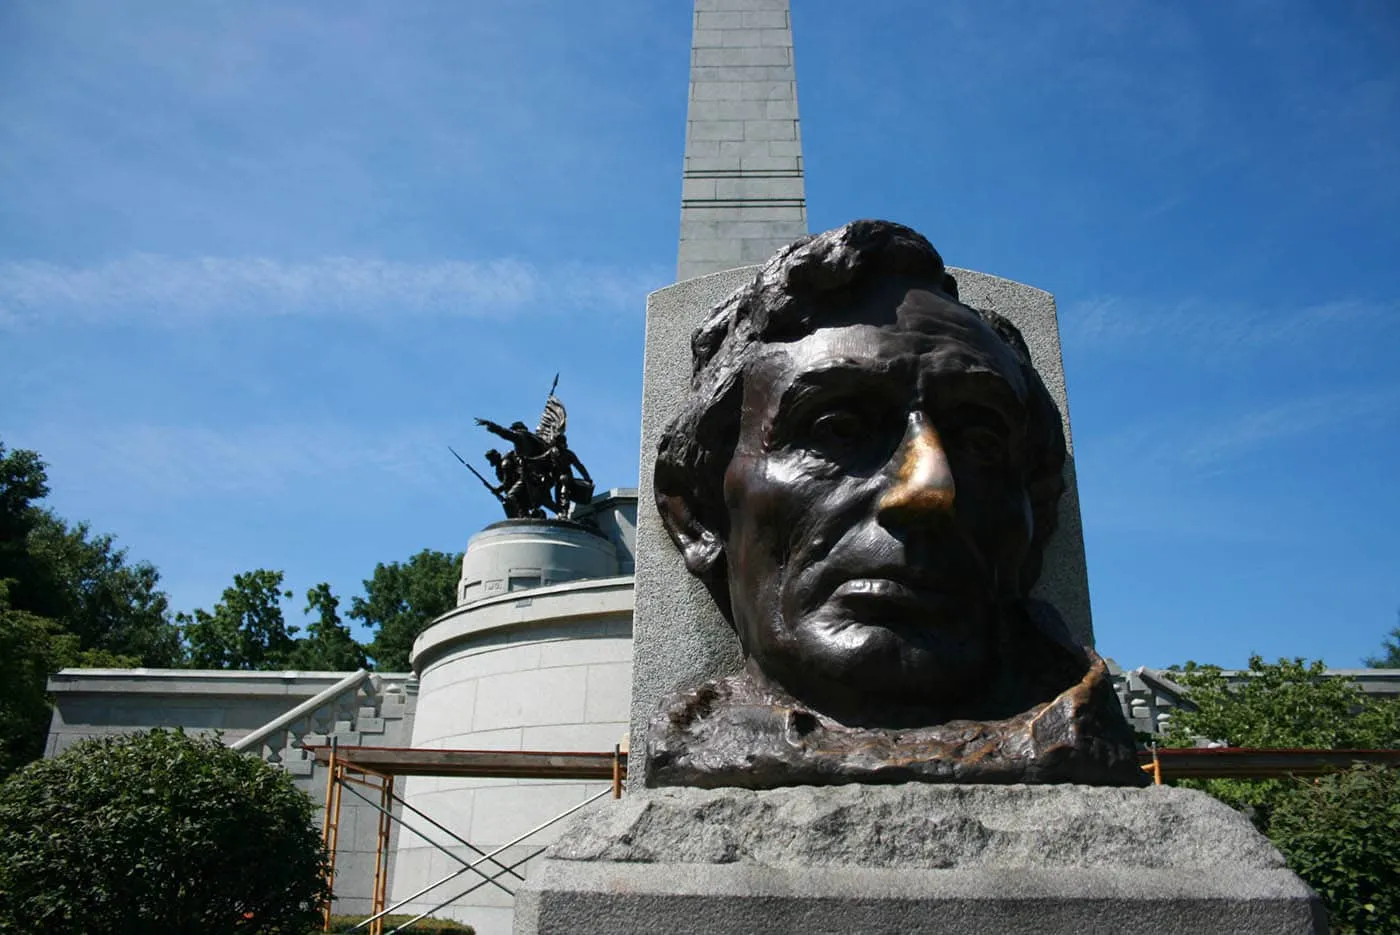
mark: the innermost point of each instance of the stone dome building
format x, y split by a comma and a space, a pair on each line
537, 656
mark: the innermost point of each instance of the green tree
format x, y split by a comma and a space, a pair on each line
1334, 831
23, 480
328, 645
67, 598
78, 579
157, 832
401, 599
33, 648
110, 604
1391, 650
246, 629
1289, 703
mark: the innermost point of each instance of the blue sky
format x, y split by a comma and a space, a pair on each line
261, 262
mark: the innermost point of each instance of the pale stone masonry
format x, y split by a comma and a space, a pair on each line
742, 196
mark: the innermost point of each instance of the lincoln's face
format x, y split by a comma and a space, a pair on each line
877, 504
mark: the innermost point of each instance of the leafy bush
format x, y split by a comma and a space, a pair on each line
157, 832
428, 926
1289, 703
1341, 833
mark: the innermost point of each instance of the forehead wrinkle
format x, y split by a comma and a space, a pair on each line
962, 348
887, 370
969, 351
1005, 388
860, 350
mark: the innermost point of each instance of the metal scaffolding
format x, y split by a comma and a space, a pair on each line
1248, 763
374, 768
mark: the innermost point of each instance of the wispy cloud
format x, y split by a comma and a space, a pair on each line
1201, 325
1217, 445
177, 462
1183, 448
1192, 478
169, 291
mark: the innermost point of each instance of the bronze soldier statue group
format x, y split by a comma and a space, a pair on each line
538, 471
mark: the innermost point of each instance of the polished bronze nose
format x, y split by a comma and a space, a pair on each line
922, 478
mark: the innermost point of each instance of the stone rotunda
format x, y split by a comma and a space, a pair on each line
537, 656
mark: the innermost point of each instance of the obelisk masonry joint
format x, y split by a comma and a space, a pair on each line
742, 195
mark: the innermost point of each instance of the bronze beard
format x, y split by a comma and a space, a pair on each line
735, 732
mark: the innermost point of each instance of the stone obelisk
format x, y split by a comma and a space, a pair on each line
742, 196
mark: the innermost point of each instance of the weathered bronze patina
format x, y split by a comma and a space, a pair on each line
865, 477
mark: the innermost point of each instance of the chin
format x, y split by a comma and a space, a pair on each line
899, 637
897, 657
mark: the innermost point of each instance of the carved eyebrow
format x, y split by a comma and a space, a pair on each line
980, 389
831, 374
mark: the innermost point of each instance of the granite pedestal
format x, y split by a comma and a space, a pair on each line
916, 858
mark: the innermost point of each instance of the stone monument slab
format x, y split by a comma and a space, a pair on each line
916, 858
677, 627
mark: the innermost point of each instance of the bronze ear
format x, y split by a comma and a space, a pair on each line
950, 285
700, 546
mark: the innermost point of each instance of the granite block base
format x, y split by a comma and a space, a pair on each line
915, 858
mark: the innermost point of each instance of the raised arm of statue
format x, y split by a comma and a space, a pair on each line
497, 429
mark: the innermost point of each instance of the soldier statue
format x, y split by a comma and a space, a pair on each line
562, 462
538, 472
511, 491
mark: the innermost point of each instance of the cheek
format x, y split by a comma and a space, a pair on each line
770, 501
758, 489
1012, 538
1021, 522
997, 512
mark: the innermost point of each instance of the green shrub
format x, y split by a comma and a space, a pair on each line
1341, 833
428, 926
157, 832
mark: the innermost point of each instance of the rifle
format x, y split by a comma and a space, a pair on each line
494, 492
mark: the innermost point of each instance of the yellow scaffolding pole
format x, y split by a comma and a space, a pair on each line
381, 853
330, 828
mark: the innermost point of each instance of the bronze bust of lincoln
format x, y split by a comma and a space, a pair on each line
865, 476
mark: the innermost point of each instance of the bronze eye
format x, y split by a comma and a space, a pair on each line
982, 445
841, 428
